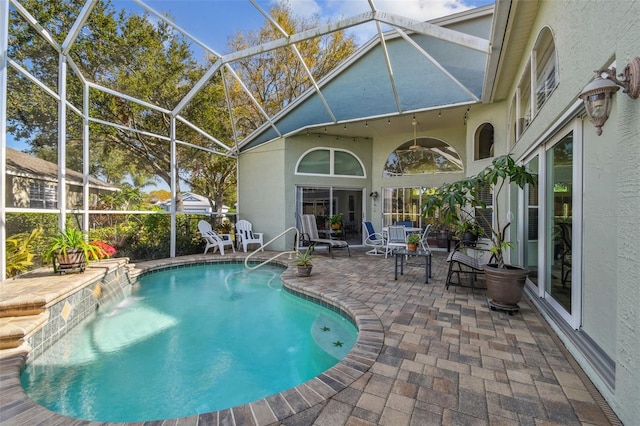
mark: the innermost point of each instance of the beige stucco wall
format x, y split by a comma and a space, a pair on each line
600, 238
589, 35
261, 190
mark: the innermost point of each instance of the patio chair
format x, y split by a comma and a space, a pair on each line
405, 223
246, 236
424, 243
471, 266
396, 239
310, 233
373, 239
213, 239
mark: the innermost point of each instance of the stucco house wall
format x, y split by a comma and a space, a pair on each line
262, 179
596, 37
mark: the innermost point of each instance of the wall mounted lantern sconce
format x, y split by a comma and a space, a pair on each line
597, 94
374, 195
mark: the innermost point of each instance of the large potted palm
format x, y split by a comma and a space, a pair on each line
460, 199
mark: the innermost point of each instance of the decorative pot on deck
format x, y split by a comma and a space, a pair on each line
72, 260
505, 285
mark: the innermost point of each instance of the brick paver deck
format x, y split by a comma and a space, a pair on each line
428, 356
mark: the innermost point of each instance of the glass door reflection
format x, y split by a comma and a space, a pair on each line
559, 193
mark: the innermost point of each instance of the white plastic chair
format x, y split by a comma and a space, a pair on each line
212, 239
373, 239
396, 239
246, 236
424, 244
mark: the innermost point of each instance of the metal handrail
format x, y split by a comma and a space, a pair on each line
246, 260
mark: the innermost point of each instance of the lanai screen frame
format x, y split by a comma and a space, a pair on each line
222, 64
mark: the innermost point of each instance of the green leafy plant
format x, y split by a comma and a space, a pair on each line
19, 249
451, 198
71, 239
335, 219
470, 226
304, 258
413, 239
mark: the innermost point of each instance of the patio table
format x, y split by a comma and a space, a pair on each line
426, 254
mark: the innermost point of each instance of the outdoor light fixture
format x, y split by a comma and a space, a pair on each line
374, 195
597, 94
415, 145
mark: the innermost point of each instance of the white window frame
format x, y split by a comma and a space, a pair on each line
331, 173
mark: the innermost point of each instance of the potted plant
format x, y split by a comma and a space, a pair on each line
412, 241
304, 264
336, 221
504, 282
468, 231
68, 251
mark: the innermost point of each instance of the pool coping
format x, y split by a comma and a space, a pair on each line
17, 407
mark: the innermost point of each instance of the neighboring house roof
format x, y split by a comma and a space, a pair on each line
24, 165
426, 73
193, 203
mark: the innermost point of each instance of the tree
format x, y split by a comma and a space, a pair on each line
148, 60
277, 77
131, 54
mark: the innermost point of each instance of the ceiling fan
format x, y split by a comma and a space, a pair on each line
415, 146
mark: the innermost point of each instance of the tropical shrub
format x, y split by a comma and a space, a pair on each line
20, 251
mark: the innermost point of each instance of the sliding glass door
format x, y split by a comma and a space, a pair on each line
551, 212
324, 202
559, 228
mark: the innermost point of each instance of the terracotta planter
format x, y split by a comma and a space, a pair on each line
505, 286
73, 260
412, 247
304, 270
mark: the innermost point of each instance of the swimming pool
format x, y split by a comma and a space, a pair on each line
188, 341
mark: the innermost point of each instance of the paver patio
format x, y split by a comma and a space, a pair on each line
445, 359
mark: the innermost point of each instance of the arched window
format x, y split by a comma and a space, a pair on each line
483, 142
546, 67
422, 156
331, 162
541, 74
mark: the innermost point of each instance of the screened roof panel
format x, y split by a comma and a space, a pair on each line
447, 74
370, 83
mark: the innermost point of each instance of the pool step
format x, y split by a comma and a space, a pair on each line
26, 299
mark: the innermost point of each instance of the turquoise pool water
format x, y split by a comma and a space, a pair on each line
189, 341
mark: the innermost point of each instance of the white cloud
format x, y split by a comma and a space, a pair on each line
422, 10
303, 8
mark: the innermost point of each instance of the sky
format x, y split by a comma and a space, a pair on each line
212, 22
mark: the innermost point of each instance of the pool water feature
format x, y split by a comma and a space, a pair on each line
189, 341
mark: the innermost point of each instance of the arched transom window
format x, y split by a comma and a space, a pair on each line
422, 156
330, 161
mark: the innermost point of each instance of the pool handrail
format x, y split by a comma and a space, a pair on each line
246, 260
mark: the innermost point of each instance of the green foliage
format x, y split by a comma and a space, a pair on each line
413, 238
20, 251
147, 236
304, 257
71, 238
277, 77
469, 225
335, 219
452, 198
